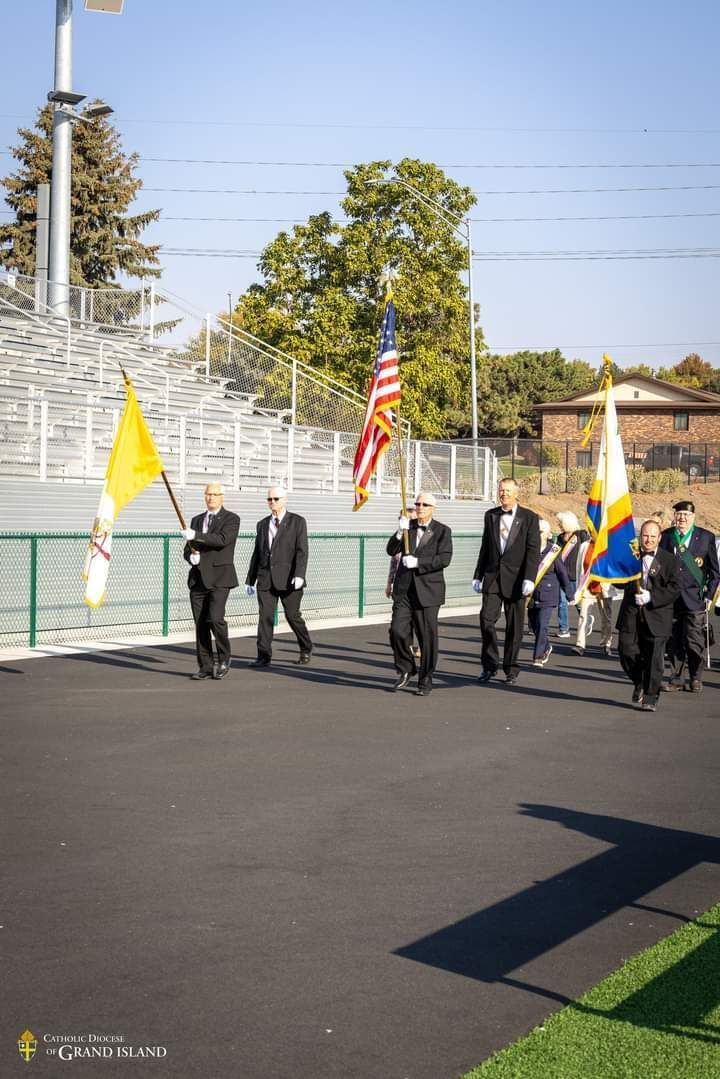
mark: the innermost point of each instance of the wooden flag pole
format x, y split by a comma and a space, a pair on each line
166, 481
173, 499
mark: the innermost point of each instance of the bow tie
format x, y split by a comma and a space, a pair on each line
421, 528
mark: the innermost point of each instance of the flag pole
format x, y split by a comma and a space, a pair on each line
166, 481
388, 278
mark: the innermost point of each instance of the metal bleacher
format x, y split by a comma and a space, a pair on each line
222, 406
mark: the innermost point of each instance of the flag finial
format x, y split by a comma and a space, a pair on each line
387, 278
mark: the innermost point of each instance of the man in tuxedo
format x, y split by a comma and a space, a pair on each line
505, 573
699, 574
418, 592
210, 550
277, 570
645, 619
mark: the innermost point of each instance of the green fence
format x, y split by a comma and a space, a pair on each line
42, 595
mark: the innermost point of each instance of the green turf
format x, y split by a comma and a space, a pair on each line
657, 1017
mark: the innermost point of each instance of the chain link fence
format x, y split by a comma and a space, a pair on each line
549, 467
42, 602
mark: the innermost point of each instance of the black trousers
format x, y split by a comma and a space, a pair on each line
642, 657
208, 609
687, 644
268, 601
408, 614
514, 609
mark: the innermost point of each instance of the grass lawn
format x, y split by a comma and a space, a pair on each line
657, 1017
521, 470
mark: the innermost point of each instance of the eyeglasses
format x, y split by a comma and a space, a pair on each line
425, 505
279, 498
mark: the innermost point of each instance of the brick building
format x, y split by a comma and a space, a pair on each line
649, 410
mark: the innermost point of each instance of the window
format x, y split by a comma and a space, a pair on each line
583, 458
681, 421
636, 394
583, 419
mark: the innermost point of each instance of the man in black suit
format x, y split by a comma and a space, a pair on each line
505, 573
418, 592
210, 550
277, 568
699, 574
645, 619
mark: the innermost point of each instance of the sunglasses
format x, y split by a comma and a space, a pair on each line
425, 505
278, 499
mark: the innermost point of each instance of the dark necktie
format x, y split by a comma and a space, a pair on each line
210, 519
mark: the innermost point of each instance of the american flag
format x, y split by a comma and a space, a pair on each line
384, 394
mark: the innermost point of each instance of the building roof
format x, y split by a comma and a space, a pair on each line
640, 392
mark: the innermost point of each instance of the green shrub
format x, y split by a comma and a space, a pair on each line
660, 481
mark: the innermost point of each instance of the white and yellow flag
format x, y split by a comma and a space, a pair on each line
134, 463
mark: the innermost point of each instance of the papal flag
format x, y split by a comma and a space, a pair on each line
134, 463
609, 514
383, 397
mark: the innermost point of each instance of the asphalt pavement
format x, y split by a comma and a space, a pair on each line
296, 873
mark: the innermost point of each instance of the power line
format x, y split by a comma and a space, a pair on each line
537, 191
463, 165
496, 256
373, 126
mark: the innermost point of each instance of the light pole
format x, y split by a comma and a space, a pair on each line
64, 115
461, 225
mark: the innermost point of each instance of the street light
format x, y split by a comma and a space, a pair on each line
456, 222
64, 98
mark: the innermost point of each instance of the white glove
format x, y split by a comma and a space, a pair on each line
249, 590
298, 582
528, 587
643, 597
409, 561
195, 558
403, 523
477, 585
188, 534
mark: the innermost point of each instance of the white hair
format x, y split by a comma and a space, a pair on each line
568, 521
279, 490
545, 526
216, 483
428, 497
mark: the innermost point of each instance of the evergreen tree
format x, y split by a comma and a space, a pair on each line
104, 239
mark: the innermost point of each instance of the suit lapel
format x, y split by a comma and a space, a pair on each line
496, 529
514, 530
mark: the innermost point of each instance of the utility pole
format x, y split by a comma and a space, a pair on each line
59, 260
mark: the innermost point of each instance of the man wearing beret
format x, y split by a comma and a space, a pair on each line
699, 573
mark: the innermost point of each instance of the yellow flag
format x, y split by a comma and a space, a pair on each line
134, 463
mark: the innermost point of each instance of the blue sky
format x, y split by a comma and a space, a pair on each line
461, 84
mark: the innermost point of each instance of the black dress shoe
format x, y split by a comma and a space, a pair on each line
637, 695
511, 679
649, 704
402, 681
201, 674
423, 691
304, 657
485, 677
695, 685
221, 670
259, 663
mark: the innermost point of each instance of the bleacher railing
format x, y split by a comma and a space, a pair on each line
147, 591
308, 443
